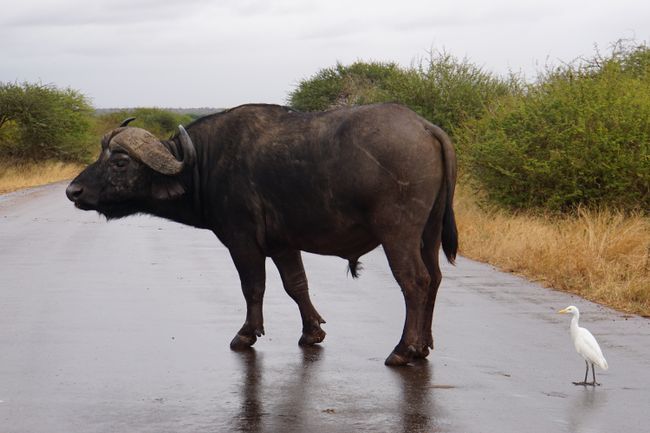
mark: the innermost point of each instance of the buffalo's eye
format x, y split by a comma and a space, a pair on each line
119, 160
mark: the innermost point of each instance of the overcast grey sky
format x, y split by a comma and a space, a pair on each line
221, 53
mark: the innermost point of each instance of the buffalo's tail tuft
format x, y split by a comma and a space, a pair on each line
449, 233
354, 266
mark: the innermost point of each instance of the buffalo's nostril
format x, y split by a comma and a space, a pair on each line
73, 191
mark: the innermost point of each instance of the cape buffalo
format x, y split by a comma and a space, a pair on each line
272, 182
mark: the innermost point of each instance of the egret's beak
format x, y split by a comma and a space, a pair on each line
563, 311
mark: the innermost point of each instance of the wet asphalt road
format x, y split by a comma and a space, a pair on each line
124, 327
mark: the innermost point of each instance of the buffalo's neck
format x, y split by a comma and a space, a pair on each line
186, 209
181, 210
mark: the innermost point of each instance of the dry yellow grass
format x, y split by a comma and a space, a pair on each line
14, 176
603, 256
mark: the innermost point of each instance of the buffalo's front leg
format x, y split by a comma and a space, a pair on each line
250, 266
292, 272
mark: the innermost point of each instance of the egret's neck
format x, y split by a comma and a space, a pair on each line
574, 322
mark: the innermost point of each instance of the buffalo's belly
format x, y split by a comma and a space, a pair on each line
344, 248
349, 242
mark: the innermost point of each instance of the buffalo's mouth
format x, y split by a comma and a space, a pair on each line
83, 206
116, 210
112, 211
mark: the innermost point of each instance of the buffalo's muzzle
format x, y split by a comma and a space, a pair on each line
74, 191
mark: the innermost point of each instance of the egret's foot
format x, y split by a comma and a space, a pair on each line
400, 358
314, 336
587, 383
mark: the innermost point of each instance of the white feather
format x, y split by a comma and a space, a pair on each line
587, 346
584, 342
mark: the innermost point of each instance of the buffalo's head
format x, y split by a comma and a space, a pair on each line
134, 170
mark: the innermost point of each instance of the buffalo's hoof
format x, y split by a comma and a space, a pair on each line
314, 337
396, 359
242, 342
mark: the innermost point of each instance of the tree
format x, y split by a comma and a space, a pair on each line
40, 121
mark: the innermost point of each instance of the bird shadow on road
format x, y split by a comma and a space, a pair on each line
584, 406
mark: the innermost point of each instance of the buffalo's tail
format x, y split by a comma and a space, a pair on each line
449, 233
449, 230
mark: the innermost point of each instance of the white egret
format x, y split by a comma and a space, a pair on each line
586, 346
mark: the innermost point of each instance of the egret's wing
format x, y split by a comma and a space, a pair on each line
588, 347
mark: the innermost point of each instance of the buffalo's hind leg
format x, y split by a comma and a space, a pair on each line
413, 278
250, 265
292, 272
430, 255
430, 258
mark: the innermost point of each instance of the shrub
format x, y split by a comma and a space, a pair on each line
443, 89
40, 121
448, 91
580, 135
160, 122
356, 84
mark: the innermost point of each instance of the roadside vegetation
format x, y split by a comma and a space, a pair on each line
554, 173
443, 89
578, 136
162, 123
49, 134
41, 122
18, 174
600, 254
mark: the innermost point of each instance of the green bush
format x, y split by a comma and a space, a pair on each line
580, 135
160, 122
40, 121
358, 83
449, 91
443, 89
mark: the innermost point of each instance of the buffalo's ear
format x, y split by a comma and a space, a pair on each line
166, 188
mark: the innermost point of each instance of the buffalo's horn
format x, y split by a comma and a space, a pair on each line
189, 152
125, 122
144, 146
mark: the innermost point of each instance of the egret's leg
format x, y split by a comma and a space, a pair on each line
593, 372
584, 382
